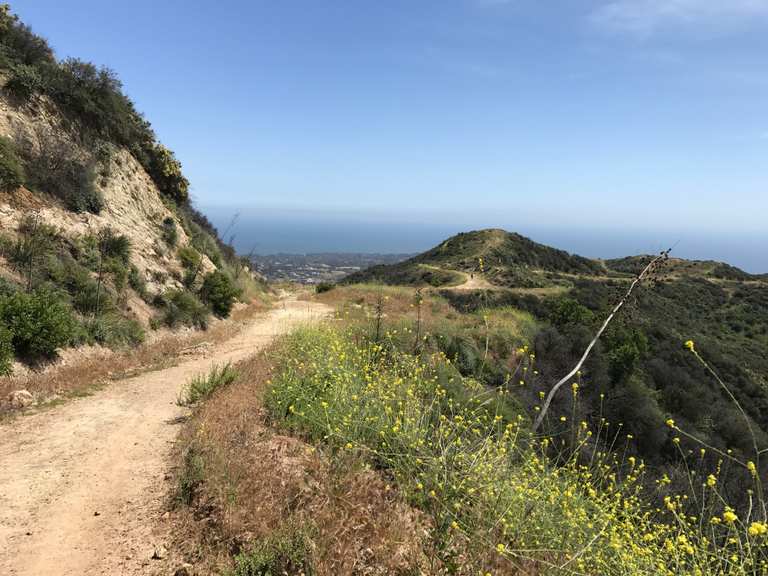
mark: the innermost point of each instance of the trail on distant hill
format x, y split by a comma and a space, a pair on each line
83, 485
473, 282
469, 281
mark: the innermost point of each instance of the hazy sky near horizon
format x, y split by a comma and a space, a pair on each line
583, 113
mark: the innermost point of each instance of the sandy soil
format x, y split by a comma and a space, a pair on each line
84, 485
473, 282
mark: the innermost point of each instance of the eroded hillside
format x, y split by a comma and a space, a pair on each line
98, 239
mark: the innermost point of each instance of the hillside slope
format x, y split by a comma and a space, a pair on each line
504, 258
98, 239
640, 374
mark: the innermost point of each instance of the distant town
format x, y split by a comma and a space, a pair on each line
320, 267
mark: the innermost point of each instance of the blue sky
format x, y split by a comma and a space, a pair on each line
621, 115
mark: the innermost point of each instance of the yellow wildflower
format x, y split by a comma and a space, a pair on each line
758, 529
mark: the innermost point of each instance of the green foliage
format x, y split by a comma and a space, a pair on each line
40, 322
324, 287
189, 257
19, 42
206, 243
169, 233
567, 311
509, 260
115, 331
165, 170
35, 241
191, 476
191, 261
219, 292
24, 81
65, 272
636, 407
114, 245
55, 165
6, 287
84, 196
626, 349
6, 350
495, 495
202, 386
285, 552
184, 309
137, 282
638, 363
728, 272
90, 98
11, 172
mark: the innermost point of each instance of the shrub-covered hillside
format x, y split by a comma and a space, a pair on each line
639, 374
506, 258
98, 239
395, 456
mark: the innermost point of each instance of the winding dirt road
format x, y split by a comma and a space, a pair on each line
83, 485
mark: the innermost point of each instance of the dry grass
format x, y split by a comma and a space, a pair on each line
256, 482
398, 301
84, 372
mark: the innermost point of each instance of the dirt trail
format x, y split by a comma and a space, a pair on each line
473, 282
83, 485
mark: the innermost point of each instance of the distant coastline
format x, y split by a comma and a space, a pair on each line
270, 234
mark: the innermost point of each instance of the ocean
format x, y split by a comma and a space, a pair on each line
302, 232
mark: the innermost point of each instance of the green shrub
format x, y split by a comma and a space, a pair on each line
6, 288
35, 241
6, 246
39, 322
165, 170
324, 287
54, 164
286, 552
191, 476
11, 172
23, 82
138, 283
202, 386
88, 96
114, 245
497, 495
184, 309
6, 350
567, 311
219, 292
118, 272
84, 196
169, 232
191, 261
189, 257
84, 291
114, 331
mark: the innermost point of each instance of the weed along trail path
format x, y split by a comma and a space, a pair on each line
83, 485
